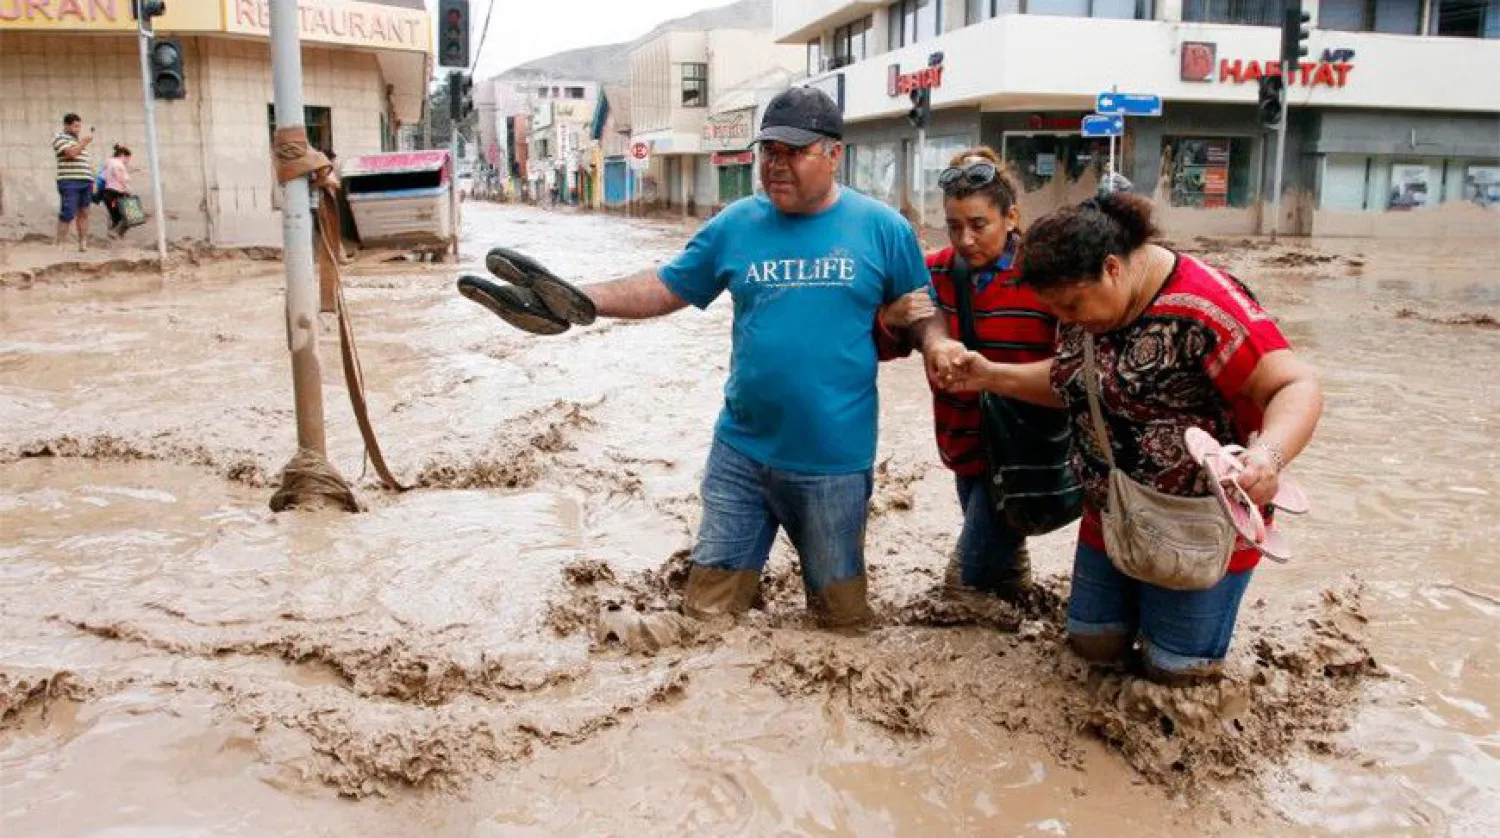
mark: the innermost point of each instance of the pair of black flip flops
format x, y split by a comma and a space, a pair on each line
536, 301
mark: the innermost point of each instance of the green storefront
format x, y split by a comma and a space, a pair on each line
726, 136
736, 175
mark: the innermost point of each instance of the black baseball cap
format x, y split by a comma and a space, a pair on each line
800, 117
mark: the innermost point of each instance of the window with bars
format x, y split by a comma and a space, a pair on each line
911, 21
1393, 17
695, 85
1243, 12
1465, 18
851, 43
319, 126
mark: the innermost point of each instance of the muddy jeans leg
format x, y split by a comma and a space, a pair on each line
991, 557
1186, 634
1103, 608
734, 536
825, 517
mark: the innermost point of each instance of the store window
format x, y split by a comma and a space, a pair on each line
815, 56
1061, 163
1466, 18
1209, 172
926, 168
872, 171
1406, 184
912, 21
319, 126
1243, 12
1393, 17
695, 85
851, 43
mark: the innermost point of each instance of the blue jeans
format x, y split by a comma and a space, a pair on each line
73, 197
745, 502
986, 548
1181, 631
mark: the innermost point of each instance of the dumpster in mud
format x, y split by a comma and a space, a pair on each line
403, 199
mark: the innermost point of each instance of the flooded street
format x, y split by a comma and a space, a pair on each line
177, 659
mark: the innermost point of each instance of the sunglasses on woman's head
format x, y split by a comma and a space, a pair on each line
974, 175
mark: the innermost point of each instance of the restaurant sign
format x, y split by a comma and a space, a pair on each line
729, 131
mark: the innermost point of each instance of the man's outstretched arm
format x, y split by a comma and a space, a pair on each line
639, 296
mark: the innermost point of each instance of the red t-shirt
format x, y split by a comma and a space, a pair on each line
1183, 364
1011, 325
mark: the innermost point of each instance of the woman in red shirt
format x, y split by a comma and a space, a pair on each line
1012, 326
1178, 345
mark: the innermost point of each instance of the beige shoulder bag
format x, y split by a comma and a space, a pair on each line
1184, 544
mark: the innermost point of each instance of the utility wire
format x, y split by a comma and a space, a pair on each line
483, 34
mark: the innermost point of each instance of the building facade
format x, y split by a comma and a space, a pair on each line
547, 115
1390, 130
366, 68
676, 79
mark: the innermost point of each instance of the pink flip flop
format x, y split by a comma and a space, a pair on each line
1222, 462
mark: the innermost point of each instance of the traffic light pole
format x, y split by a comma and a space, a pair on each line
921, 183
148, 108
302, 292
1280, 159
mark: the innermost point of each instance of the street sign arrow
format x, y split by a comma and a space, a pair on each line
1103, 125
1130, 104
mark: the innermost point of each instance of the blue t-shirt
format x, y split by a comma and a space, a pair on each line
801, 390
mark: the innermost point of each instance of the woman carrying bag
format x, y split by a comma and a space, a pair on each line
116, 175
1161, 358
975, 283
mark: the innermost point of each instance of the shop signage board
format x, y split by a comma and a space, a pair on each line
1130, 104
1103, 125
729, 131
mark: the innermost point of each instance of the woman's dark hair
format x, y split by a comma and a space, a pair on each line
1068, 246
121, 151
1003, 191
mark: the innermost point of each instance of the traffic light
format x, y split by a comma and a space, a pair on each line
460, 96
453, 33
167, 78
1272, 92
147, 9
921, 107
1294, 32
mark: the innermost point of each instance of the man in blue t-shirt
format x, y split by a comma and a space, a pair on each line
807, 265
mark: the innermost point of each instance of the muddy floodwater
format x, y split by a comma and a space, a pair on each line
459, 659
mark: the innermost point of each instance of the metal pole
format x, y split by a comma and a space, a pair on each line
921, 182
1280, 155
148, 108
296, 234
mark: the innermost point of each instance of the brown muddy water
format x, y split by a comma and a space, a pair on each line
176, 659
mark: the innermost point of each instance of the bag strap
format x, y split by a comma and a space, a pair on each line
1091, 383
963, 290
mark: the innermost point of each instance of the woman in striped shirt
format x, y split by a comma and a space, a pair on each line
983, 219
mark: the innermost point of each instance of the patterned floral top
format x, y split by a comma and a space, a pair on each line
1182, 364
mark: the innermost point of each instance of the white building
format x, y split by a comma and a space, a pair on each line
675, 78
1390, 110
510, 108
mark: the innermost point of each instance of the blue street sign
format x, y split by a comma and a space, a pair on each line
1103, 125
1130, 104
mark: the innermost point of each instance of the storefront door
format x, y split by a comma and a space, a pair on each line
734, 183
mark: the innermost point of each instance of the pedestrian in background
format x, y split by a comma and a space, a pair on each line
75, 179
116, 186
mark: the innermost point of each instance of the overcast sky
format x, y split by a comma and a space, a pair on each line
524, 30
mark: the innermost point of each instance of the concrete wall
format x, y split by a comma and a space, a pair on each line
98, 77
656, 84
215, 144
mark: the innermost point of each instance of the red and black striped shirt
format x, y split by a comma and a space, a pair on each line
1012, 326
